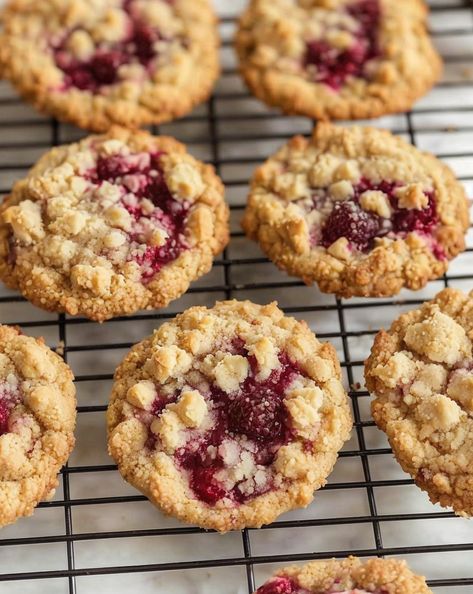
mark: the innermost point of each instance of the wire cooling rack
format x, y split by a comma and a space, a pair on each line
98, 533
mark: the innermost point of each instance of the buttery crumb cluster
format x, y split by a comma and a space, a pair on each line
135, 39
104, 217
354, 201
283, 585
422, 375
37, 418
229, 405
348, 576
337, 58
326, 42
111, 61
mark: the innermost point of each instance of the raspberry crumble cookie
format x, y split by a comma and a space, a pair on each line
101, 62
349, 576
37, 419
357, 210
228, 417
421, 374
111, 225
337, 59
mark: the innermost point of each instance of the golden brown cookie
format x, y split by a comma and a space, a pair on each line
337, 59
112, 224
228, 417
357, 210
421, 375
37, 419
96, 63
349, 576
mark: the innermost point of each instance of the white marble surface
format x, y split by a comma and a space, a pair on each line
431, 133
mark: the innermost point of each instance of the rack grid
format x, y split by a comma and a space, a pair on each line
98, 533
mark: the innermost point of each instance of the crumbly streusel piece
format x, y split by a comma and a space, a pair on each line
349, 576
421, 374
228, 417
96, 63
357, 210
337, 59
37, 419
112, 224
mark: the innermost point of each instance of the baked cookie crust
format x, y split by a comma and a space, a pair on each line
112, 224
421, 375
37, 419
349, 576
357, 210
100, 63
337, 59
228, 417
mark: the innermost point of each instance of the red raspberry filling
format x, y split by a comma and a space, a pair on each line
9, 398
361, 228
283, 585
101, 69
145, 177
4, 416
279, 585
349, 220
255, 414
333, 66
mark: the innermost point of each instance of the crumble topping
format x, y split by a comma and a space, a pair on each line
284, 585
460, 389
346, 576
422, 375
114, 207
340, 60
236, 398
342, 42
331, 44
135, 40
357, 210
37, 417
99, 63
440, 338
348, 206
363, 214
111, 225
224, 426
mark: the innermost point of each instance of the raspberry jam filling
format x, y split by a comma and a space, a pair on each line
141, 180
248, 428
332, 65
279, 585
102, 69
9, 397
284, 585
361, 227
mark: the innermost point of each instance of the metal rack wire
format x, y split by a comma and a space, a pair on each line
235, 133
